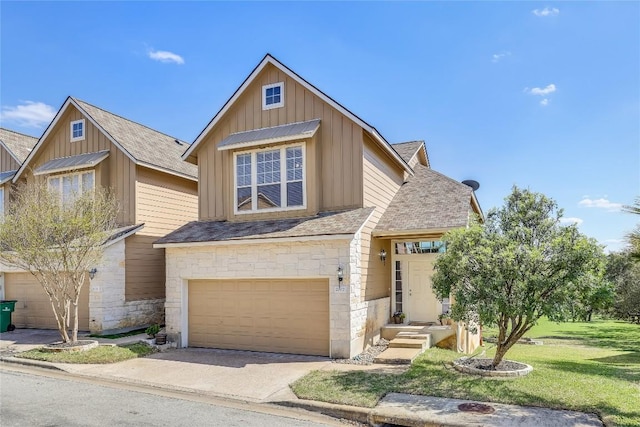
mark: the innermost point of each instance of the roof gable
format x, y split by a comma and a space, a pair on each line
268, 59
141, 144
408, 150
18, 145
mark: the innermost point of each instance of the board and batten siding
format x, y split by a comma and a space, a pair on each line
337, 146
7, 162
382, 179
117, 171
163, 203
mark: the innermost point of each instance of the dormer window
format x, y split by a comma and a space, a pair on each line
77, 130
273, 96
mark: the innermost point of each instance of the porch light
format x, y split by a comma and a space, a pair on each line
92, 273
383, 256
340, 274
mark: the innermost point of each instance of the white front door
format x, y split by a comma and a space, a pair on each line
423, 305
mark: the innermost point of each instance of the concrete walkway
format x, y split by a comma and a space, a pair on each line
265, 378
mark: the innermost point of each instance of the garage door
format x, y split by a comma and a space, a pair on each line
282, 316
33, 309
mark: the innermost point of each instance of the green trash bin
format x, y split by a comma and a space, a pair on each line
6, 308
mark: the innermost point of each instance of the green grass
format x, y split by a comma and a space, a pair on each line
121, 335
589, 367
100, 355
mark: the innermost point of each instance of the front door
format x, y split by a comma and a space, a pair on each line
423, 305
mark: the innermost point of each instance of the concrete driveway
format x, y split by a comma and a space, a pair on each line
246, 375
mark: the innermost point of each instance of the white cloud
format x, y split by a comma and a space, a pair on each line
547, 11
496, 57
601, 203
165, 56
29, 113
571, 220
544, 102
541, 91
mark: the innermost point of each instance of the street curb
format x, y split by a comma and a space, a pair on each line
355, 413
28, 362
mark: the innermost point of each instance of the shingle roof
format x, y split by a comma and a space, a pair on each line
290, 131
428, 200
72, 162
143, 143
323, 224
19, 144
407, 149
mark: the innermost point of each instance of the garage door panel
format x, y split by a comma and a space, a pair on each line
287, 316
33, 309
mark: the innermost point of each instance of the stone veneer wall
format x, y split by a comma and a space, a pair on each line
108, 310
288, 259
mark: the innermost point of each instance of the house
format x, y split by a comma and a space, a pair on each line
312, 228
86, 147
14, 149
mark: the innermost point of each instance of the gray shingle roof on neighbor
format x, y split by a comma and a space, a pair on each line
428, 200
323, 224
19, 144
72, 162
290, 131
143, 143
407, 149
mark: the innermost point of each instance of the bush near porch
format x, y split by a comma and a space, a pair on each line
589, 367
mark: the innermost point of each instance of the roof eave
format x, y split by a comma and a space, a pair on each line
391, 234
258, 240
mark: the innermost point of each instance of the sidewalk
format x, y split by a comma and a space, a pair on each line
264, 377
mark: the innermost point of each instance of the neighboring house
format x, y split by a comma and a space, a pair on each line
86, 147
312, 228
14, 149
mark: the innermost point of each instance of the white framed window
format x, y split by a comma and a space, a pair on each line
77, 130
273, 96
71, 185
271, 179
1, 203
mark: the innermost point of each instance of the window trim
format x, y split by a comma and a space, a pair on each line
264, 96
283, 179
63, 175
84, 130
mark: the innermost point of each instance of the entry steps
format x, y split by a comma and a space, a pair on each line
404, 348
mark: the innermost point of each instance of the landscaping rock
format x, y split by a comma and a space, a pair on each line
367, 356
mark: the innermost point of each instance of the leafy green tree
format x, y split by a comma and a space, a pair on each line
518, 266
58, 243
624, 272
634, 236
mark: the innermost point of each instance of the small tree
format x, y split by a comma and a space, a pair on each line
624, 272
517, 267
58, 243
634, 236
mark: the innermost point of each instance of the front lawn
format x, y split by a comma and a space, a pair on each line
101, 354
589, 367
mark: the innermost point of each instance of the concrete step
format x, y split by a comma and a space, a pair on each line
413, 335
398, 356
408, 343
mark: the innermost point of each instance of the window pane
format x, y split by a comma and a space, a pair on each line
244, 199
294, 163
276, 90
243, 170
54, 184
269, 196
294, 194
87, 181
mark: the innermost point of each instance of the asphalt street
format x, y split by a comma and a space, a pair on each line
28, 399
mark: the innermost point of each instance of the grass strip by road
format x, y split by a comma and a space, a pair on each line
99, 355
589, 367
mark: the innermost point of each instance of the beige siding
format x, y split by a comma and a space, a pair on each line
277, 315
337, 179
381, 181
164, 202
33, 309
7, 162
145, 268
117, 172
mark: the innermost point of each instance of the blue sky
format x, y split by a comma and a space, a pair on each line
544, 95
